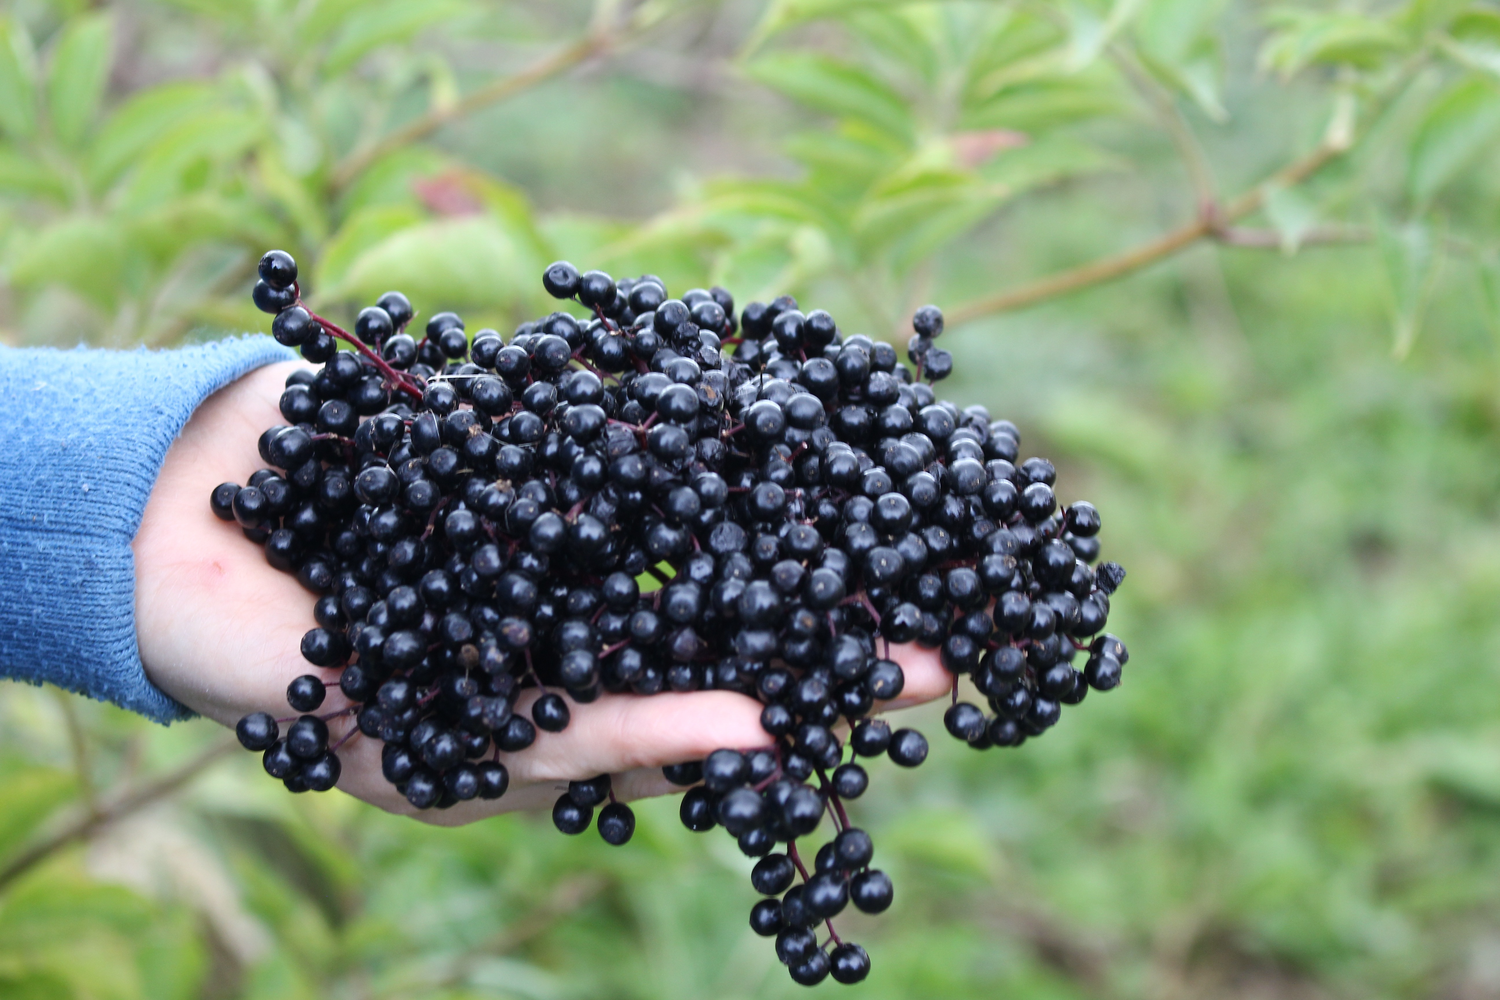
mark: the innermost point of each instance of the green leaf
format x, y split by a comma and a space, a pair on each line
165, 168
78, 74
27, 797
83, 253
17, 80
911, 36
1412, 256
837, 88
166, 231
142, 120
321, 18
471, 262
783, 14
1473, 41
1047, 160
1089, 33
29, 178
374, 25
1303, 38
363, 229
1015, 46
1044, 103
1292, 214
843, 162
1178, 47
1458, 127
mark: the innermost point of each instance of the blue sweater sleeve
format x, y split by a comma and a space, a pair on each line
86, 434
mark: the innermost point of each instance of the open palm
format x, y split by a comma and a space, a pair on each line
220, 631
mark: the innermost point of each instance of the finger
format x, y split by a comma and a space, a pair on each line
631, 737
621, 732
625, 735
926, 677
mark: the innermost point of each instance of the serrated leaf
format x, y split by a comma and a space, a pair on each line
1422, 16
783, 14
77, 75
1173, 29
1412, 256
29, 178
1089, 33
1177, 45
899, 210
322, 18
837, 88
27, 797
843, 159
18, 76
361, 230
1047, 160
1291, 214
450, 264
164, 232
1473, 40
775, 199
912, 36
1458, 127
1016, 46
1302, 38
384, 24
140, 121
1043, 103
161, 171
83, 253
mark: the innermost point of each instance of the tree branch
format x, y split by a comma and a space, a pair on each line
90, 822
1206, 225
595, 43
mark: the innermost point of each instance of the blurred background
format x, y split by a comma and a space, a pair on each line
1232, 263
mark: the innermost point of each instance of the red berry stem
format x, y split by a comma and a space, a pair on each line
399, 380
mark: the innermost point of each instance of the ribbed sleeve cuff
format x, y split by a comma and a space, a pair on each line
87, 432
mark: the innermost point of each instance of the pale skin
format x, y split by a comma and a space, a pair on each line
220, 631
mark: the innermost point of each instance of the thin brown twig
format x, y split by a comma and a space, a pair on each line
596, 42
87, 824
1119, 265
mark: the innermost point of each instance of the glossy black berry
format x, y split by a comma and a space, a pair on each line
908, 747
561, 280
550, 713
277, 269
871, 891
616, 823
773, 875
257, 731
765, 917
697, 810
305, 693
849, 963
569, 817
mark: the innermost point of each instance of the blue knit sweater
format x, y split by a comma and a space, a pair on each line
86, 434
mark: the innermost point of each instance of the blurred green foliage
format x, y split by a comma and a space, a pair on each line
1290, 424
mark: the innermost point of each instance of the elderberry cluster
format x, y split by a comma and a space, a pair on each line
476, 516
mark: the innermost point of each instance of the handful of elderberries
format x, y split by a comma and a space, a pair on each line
477, 515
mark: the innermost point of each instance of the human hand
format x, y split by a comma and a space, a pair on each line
220, 630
